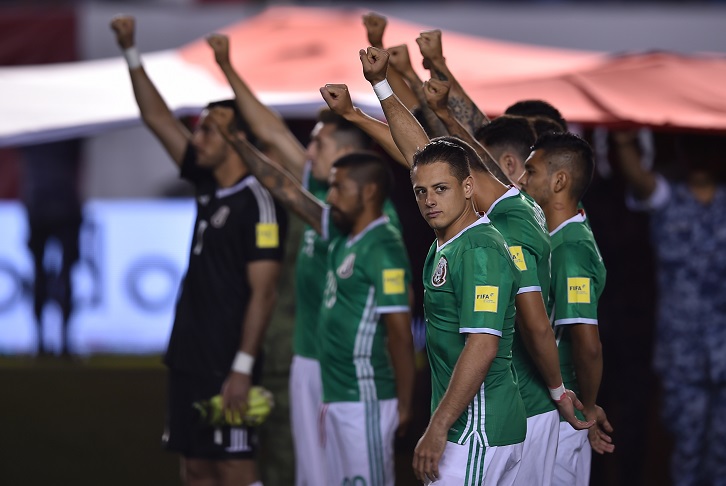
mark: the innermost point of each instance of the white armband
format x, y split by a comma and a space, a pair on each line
133, 58
383, 90
243, 363
558, 393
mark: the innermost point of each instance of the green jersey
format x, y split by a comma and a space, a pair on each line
578, 279
469, 287
368, 276
523, 225
311, 263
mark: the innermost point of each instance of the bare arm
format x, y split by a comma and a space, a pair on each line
279, 181
642, 181
400, 349
469, 373
375, 27
400, 61
154, 111
263, 276
462, 106
338, 99
406, 130
437, 93
265, 124
538, 338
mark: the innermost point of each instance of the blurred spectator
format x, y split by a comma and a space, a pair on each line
50, 193
688, 229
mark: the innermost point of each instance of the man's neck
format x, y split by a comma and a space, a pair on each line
229, 173
487, 189
365, 218
466, 219
557, 212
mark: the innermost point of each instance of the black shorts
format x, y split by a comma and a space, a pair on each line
186, 432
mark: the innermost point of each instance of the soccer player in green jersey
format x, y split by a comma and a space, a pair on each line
557, 175
365, 341
522, 224
331, 138
478, 422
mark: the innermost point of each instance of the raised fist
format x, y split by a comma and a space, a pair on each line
338, 98
220, 45
375, 64
437, 94
429, 43
375, 26
399, 59
124, 26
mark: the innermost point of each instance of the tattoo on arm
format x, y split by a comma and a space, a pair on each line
466, 112
441, 75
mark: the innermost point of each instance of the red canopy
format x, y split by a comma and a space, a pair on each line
300, 49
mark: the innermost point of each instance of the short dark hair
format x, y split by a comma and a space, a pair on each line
475, 161
444, 151
542, 125
239, 122
569, 152
532, 108
346, 133
368, 168
507, 131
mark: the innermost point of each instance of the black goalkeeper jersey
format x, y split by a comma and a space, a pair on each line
234, 226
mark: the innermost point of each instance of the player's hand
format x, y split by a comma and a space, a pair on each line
437, 95
124, 26
427, 454
220, 45
338, 98
375, 25
234, 396
599, 437
399, 59
567, 405
429, 43
375, 64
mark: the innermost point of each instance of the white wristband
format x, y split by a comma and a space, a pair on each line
243, 363
558, 393
133, 59
383, 90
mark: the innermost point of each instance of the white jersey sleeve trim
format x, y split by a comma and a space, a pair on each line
480, 330
660, 197
533, 288
265, 203
575, 320
392, 309
306, 174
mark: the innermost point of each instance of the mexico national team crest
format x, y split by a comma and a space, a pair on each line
439, 277
220, 217
345, 269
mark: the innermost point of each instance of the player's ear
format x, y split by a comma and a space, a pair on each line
370, 191
468, 185
560, 181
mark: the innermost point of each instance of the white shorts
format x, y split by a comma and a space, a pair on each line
358, 440
306, 398
574, 455
540, 450
471, 464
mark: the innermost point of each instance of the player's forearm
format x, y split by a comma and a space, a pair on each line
434, 126
469, 373
401, 352
587, 360
257, 317
282, 184
542, 348
378, 131
402, 89
463, 107
407, 132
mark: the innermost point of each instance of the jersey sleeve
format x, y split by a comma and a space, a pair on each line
574, 285
264, 236
389, 270
486, 285
658, 200
526, 262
